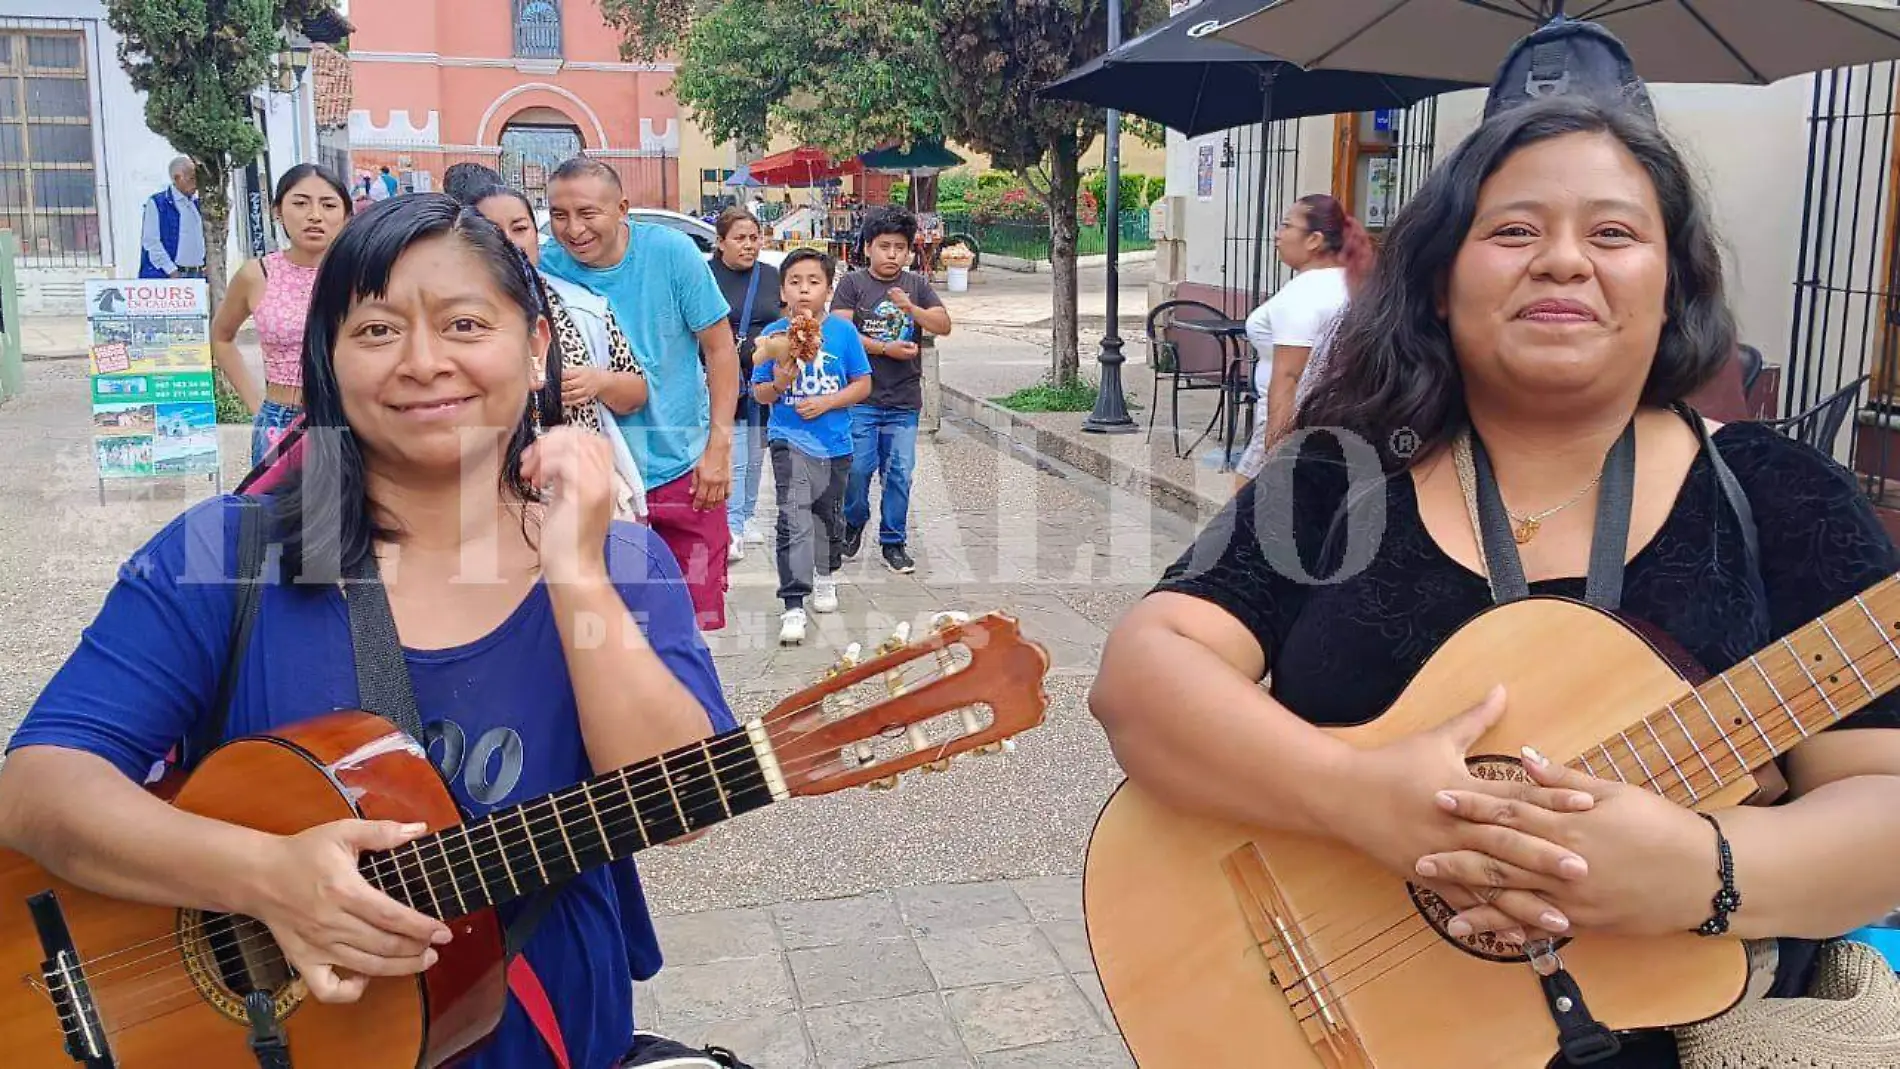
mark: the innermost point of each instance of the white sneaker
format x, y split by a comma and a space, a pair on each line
791, 627
753, 534
735, 549
824, 595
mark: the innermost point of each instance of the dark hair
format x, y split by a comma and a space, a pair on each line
799, 256
311, 170
1392, 374
324, 516
1344, 237
462, 180
888, 219
732, 217
474, 196
585, 167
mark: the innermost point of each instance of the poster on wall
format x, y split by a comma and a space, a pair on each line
1204, 174
153, 411
1381, 182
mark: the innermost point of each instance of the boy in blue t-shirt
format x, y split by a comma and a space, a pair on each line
809, 369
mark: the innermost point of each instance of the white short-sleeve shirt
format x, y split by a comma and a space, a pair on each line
1298, 315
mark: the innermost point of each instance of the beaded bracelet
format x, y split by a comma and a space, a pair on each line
1728, 899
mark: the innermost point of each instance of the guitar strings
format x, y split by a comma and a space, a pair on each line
733, 743
699, 795
1423, 926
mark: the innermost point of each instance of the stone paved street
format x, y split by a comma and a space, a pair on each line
937, 925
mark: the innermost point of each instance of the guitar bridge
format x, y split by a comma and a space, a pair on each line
1292, 963
65, 980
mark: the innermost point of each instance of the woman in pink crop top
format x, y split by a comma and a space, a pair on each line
311, 205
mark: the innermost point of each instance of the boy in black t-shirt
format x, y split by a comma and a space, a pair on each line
891, 308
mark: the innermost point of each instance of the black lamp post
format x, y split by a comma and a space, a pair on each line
1110, 415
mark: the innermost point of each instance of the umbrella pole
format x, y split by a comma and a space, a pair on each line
1260, 196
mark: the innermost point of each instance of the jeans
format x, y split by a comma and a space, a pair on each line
809, 489
748, 465
884, 443
271, 422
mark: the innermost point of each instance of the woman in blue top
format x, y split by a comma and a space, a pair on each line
544, 642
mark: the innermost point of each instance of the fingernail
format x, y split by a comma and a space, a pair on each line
1581, 801
1427, 867
1459, 927
1573, 867
441, 936
1535, 758
1554, 921
414, 829
1446, 801
429, 959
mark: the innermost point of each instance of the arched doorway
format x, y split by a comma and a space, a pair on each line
533, 143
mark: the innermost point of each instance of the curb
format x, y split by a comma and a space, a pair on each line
1004, 427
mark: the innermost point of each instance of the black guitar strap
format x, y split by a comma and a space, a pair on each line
383, 687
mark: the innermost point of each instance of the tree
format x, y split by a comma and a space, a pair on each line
197, 62
841, 75
991, 56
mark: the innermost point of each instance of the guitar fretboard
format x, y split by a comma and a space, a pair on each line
519, 850
1751, 714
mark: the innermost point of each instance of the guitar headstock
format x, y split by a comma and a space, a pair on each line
968, 685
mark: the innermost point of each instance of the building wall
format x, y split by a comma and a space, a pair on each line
437, 81
129, 160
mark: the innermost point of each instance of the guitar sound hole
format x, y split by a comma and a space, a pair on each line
1438, 913
230, 956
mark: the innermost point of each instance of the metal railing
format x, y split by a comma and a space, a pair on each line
538, 29
1028, 239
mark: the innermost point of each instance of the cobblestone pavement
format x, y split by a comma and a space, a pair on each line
934, 926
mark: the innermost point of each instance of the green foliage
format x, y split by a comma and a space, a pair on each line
1134, 189
651, 29
838, 74
230, 406
1077, 395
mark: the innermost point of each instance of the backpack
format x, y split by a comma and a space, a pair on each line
1568, 56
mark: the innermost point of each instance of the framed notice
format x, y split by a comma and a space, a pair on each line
1204, 174
153, 413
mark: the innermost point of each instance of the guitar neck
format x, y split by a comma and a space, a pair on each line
1763, 707
521, 849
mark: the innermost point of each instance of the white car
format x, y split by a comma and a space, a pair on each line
703, 233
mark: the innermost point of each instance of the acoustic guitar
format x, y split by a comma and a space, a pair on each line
102, 983
1220, 944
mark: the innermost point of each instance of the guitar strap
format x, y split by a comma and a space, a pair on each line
1608, 544
384, 688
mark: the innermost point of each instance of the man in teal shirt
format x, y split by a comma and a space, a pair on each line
669, 306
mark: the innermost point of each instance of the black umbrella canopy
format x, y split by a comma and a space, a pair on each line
1180, 77
1748, 42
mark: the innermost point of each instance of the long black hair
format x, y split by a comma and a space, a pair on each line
324, 516
1392, 377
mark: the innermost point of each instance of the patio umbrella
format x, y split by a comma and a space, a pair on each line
1179, 77
742, 178
924, 157
1750, 42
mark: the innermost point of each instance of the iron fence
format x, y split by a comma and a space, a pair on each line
649, 181
1263, 166
1028, 239
52, 174
1847, 300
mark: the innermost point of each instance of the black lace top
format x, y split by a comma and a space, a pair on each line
1340, 652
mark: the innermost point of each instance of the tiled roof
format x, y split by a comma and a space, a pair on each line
330, 74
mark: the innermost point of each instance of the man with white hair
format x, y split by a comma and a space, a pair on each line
172, 236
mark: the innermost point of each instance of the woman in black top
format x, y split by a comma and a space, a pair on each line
736, 266
1554, 283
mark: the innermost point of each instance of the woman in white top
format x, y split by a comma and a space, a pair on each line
1331, 254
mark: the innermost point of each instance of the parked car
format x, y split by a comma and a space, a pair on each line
704, 234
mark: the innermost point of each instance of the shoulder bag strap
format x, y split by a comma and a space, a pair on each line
745, 315
250, 562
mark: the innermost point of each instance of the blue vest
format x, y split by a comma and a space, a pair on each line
167, 233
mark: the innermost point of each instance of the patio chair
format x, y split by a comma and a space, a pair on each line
1821, 425
1188, 359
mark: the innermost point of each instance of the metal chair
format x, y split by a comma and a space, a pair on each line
1190, 360
1821, 425
1751, 360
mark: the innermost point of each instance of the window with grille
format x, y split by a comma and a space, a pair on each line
537, 29
49, 194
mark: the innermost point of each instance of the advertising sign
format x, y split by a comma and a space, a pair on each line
153, 412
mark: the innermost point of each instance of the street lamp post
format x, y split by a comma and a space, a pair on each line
1110, 415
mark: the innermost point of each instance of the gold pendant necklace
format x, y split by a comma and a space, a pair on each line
1526, 527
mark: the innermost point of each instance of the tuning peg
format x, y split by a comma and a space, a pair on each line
999, 746
944, 621
942, 765
888, 783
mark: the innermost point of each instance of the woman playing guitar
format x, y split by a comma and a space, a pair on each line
1553, 290
544, 642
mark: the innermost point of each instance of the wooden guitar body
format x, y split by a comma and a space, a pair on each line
1225, 945
155, 974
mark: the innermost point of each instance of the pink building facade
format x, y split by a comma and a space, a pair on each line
516, 84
